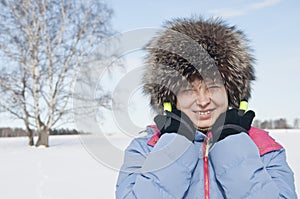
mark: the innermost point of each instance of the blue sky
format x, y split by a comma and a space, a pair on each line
271, 25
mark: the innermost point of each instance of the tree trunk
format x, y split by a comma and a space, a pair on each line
43, 137
30, 136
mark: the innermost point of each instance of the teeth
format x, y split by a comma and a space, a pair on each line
204, 113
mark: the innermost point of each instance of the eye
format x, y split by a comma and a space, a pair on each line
214, 87
187, 91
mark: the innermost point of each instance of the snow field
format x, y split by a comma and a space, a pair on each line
66, 170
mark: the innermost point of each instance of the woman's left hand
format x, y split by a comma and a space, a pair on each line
232, 122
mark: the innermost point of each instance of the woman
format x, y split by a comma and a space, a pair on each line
202, 145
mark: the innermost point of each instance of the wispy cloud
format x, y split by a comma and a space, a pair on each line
238, 11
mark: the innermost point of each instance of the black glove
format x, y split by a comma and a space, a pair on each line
176, 122
231, 122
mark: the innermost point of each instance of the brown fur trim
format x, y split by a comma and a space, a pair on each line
210, 49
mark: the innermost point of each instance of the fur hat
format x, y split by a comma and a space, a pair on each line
189, 48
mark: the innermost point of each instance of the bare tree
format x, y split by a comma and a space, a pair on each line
281, 124
257, 123
266, 124
296, 123
42, 43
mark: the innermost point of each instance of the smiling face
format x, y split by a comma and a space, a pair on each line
202, 102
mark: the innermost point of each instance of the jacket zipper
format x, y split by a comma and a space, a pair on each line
206, 145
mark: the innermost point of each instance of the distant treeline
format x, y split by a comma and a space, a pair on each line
276, 124
266, 124
19, 132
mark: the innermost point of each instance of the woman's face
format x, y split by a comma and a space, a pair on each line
203, 102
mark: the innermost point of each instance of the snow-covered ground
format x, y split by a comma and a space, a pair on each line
66, 170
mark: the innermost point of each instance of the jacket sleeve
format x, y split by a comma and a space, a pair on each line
164, 172
242, 173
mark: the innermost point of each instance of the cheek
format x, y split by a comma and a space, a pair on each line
183, 102
222, 100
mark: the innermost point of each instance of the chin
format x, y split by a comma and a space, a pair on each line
203, 126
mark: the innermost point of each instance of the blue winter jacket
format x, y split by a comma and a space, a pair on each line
174, 167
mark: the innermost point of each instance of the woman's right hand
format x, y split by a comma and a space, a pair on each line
176, 122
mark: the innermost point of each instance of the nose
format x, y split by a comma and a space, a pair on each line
203, 97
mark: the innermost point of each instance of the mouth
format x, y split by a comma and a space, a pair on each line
204, 115
203, 112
